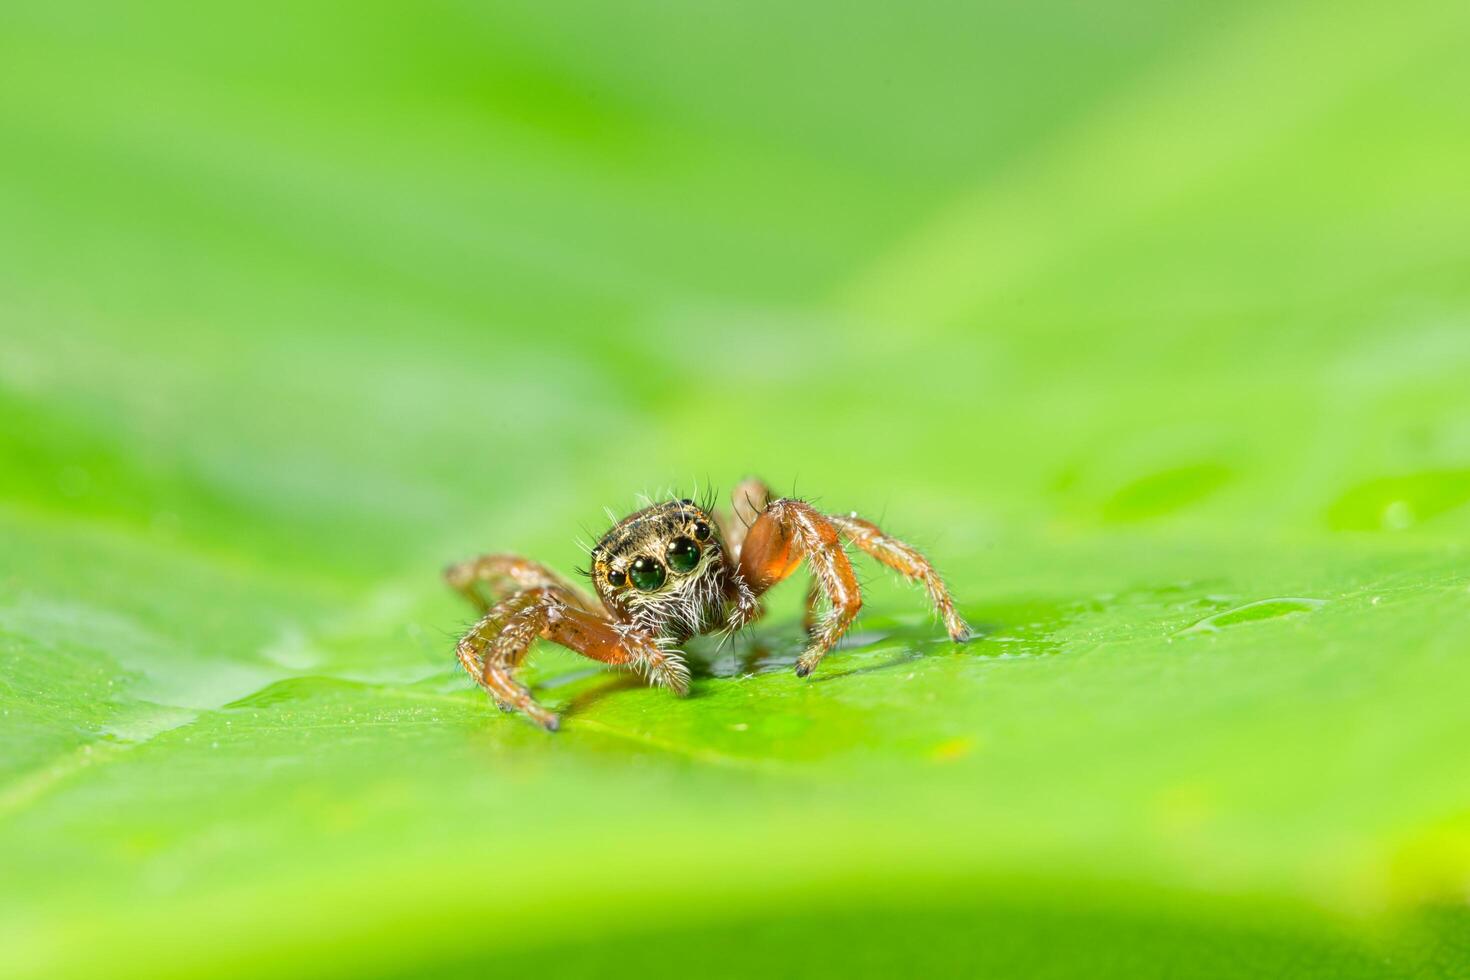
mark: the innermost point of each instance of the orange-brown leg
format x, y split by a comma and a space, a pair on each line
747, 500
786, 533
813, 605
907, 562
498, 643
489, 578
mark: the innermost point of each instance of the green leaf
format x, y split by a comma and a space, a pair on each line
1150, 324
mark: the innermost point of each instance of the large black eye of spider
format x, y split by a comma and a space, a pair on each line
616, 578
683, 555
701, 530
646, 574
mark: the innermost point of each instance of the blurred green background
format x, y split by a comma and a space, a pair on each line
1149, 321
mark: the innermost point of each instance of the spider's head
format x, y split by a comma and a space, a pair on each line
663, 567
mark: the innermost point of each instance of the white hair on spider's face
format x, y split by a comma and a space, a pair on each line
690, 600
664, 568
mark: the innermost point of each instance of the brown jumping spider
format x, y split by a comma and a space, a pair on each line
670, 572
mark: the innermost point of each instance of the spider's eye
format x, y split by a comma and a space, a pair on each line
683, 555
646, 574
701, 530
616, 578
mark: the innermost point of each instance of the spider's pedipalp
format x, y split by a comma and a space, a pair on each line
663, 666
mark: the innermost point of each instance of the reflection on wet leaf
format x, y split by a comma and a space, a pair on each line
1253, 612
1395, 503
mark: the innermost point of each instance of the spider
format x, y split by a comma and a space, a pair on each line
670, 572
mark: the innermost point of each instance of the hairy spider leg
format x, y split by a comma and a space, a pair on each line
812, 607
498, 643
908, 562
748, 500
503, 576
786, 533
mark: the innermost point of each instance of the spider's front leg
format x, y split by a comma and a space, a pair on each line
498, 643
789, 530
784, 534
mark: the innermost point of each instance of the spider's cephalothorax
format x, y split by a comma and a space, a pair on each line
664, 570
672, 571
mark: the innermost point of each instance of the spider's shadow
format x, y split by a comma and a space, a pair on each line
776, 650
612, 685
908, 642
906, 656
